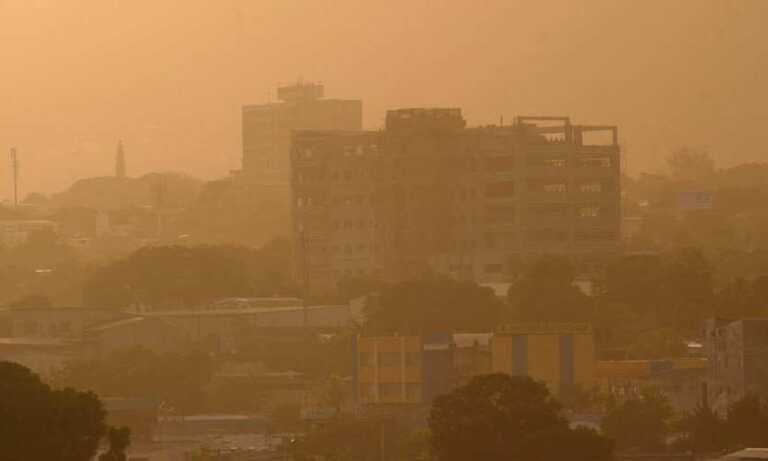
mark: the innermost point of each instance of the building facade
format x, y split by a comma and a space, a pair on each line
266, 128
427, 193
389, 370
560, 355
738, 360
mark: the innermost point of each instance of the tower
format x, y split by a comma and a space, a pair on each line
120, 161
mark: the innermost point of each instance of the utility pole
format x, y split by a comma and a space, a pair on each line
15, 171
304, 273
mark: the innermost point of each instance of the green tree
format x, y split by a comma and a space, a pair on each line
499, 417
641, 423
43, 424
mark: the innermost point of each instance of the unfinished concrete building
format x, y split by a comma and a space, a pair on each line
428, 194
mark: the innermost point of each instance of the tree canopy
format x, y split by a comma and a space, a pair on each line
43, 424
182, 277
499, 417
640, 423
434, 304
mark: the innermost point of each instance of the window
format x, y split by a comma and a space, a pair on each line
500, 189
555, 187
547, 235
494, 268
600, 162
500, 214
595, 186
390, 391
366, 359
389, 359
412, 359
550, 162
493, 164
413, 392
589, 211
594, 235
548, 211
367, 392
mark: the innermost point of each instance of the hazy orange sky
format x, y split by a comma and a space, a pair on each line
169, 76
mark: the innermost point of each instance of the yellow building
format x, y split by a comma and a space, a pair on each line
559, 354
389, 369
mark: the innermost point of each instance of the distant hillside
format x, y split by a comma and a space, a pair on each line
172, 190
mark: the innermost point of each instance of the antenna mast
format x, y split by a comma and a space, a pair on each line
15, 171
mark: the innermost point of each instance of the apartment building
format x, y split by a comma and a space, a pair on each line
428, 193
266, 128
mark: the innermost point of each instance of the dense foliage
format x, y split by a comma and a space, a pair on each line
434, 304
498, 417
183, 277
641, 423
43, 424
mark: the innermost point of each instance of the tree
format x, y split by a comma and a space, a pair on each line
641, 423
688, 164
119, 439
546, 294
176, 379
500, 417
342, 439
42, 424
746, 421
434, 304
705, 431
176, 277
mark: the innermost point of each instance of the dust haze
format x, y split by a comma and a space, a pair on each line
168, 77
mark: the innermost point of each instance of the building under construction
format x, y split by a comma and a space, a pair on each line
428, 194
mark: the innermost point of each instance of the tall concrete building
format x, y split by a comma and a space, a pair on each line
267, 128
428, 194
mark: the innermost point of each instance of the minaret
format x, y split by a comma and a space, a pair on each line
120, 161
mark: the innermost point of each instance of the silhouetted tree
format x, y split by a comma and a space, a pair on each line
704, 431
177, 379
119, 440
688, 163
434, 304
746, 422
641, 423
499, 417
42, 424
546, 293
184, 277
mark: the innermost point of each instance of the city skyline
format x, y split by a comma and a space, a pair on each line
174, 91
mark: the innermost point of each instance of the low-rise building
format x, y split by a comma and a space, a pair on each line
679, 379
560, 355
18, 231
390, 370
